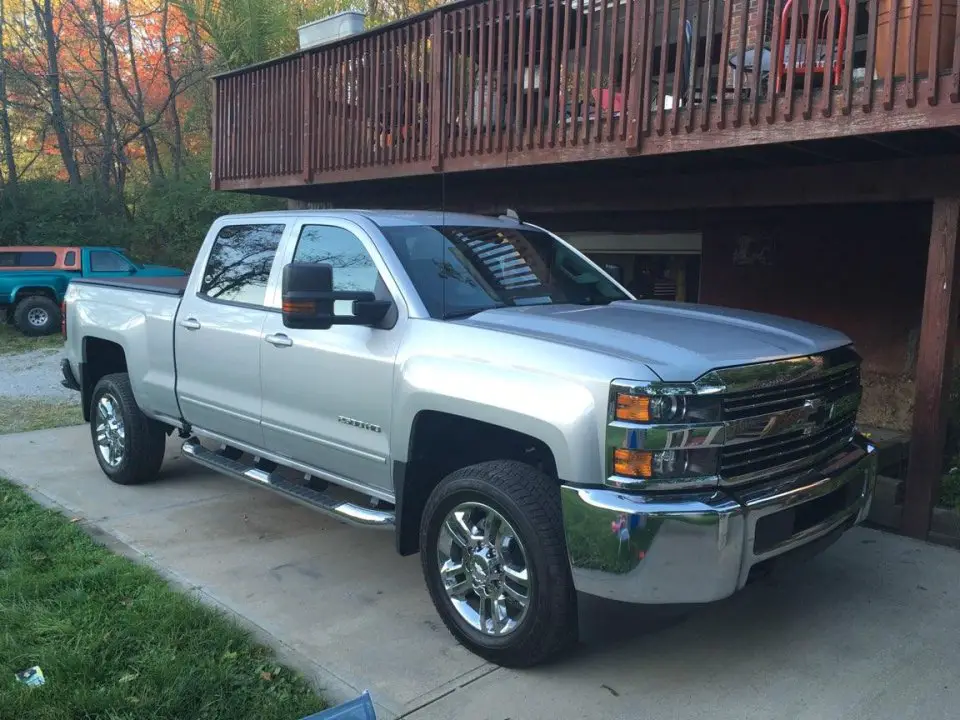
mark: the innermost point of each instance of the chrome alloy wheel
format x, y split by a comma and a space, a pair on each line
483, 568
110, 431
38, 317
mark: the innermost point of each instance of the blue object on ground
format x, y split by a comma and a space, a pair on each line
360, 708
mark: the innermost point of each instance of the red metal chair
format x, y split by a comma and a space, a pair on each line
821, 44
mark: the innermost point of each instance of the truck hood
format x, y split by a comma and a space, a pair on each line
679, 342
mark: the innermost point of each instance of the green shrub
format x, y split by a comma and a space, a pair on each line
162, 222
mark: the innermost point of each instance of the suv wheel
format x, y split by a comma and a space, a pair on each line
37, 315
495, 563
129, 446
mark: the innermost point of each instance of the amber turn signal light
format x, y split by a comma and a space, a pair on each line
633, 408
633, 463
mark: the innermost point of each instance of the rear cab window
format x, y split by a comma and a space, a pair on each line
238, 267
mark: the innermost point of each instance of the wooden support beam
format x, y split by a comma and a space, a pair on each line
938, 330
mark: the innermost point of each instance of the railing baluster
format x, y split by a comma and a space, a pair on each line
575, 100
870, 65
826, 95
690, 75
436, 91
933, 66
494, 110
664, 47
597, 93
724, 64
611, 68
628, 86
638, 71
588, 71
758, 33
508, 90
551, 119
516, 130
678, 89
775, 61
462, 82
912, 60
809, 59
741, 61
649, 23
532, 70
890, 70
791, 67
473, 77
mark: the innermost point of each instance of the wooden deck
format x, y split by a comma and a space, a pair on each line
489, 84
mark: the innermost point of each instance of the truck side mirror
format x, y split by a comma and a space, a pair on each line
308, 298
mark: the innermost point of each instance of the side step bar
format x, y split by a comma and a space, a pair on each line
348, 512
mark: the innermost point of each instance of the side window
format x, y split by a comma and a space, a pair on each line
107, 261
70, 259
8, 259
353, 268
239, 264
37, 258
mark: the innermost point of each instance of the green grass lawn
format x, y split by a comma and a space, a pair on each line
115, 641
12, 341
25, 414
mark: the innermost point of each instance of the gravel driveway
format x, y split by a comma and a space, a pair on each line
34, 374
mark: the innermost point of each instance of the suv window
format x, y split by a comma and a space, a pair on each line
107, 261
353, 268
239, 264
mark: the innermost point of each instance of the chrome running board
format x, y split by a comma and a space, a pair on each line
348, 512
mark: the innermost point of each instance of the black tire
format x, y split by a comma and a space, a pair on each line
37, 315
144, 440
530, 502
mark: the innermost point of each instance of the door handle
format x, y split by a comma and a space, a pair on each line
279, 340
190, 323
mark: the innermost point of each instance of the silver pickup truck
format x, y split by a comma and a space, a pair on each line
494, 398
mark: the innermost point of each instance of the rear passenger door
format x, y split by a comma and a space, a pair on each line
218, 331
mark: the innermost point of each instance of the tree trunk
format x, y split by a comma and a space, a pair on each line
108, 156
136, 105
9, 161
44, 14
173, 90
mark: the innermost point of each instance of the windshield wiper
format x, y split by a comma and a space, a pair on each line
454, 314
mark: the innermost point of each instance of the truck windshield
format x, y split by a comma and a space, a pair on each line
458, 271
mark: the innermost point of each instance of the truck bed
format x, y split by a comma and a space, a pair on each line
174, 285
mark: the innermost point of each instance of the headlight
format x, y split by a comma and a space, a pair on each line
665, 405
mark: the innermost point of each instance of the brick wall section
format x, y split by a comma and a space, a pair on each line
752, 9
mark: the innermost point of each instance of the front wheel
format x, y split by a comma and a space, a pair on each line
494, 559
129, 446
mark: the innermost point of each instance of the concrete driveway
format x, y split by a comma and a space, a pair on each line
870, 629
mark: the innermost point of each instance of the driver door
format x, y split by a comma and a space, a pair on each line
327, 394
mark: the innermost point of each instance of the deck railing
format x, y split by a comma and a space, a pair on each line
494, 83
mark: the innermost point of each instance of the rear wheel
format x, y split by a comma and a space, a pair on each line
494, 559
37, 315
129, 446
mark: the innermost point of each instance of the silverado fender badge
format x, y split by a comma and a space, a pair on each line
359, 424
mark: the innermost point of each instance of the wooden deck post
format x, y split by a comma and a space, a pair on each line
934, 369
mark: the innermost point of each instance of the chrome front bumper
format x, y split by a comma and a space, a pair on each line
659, 549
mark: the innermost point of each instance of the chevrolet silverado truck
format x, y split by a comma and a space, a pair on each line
34, 279
499, 402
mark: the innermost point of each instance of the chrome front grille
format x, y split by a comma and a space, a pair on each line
791, 451
792, 430
762, 401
